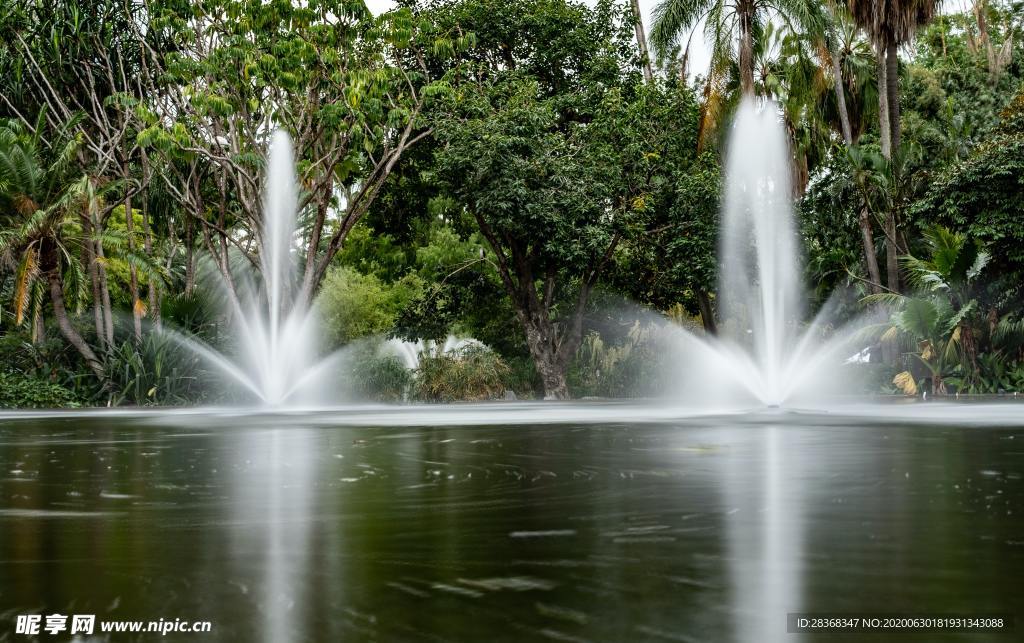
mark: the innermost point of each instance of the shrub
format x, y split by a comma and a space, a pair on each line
52, 360
630, 368
383, 378
523, 378
19, 391
158, 371
471, 373
353, 305
195, 313
980, 196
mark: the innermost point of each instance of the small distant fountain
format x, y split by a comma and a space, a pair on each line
276, 358
410, 352
766, 354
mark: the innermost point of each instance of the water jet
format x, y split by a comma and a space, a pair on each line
770, 356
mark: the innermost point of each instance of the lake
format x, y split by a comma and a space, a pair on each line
515, 522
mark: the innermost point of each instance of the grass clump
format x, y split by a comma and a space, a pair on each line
470, 373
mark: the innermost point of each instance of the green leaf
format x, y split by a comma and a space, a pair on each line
918, 318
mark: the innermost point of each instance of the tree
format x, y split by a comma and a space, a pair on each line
85, 63
851, 67
891, 24
41, 199
997, 56
349, 88
732, 23
980, 196
851, 63
671, 260
952, 63
544, 198
525, 150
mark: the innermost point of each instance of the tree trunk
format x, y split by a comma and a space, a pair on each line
152, 292
892, 92
802, 174
94, 278
133, 274
147, 240
892, 266
108, 311
67, 329
707, 312
38, 326
883, 103
190, 261
840, 90
870, 256
547, 359
641, 42
747, 48
552, 375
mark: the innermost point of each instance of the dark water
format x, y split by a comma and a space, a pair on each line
286, 529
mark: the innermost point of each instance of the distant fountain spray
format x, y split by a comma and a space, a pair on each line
410, 352
766, 354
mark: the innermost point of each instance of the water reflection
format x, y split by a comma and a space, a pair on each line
763, 499
273, 502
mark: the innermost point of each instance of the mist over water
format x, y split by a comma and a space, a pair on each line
410, 352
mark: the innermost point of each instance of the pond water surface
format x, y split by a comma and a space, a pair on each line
349, 526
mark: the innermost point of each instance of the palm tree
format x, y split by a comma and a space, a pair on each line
732, 24
853, 68
938, 320
786, 72
863, 167
889, 24
41, 200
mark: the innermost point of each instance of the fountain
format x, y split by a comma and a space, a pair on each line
409, 352
276, 356
765, 355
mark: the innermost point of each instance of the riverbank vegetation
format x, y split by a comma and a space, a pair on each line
530, 173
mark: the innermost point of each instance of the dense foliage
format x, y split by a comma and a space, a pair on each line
510, 170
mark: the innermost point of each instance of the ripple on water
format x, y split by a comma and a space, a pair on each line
53, 513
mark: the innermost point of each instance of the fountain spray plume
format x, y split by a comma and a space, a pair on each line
766, 355
276, 358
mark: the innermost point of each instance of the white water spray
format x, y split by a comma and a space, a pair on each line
410, 352
766, 354
276, 354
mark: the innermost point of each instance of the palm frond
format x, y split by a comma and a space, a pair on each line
1009, 333
918, 318
145, 265
982, 260
891, 299
671, 18
959, 316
